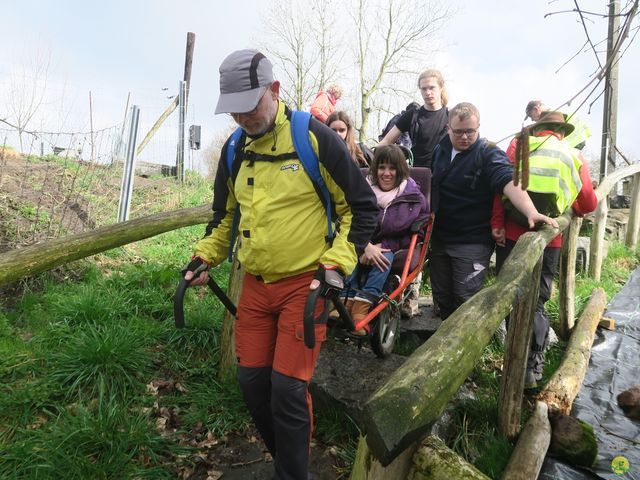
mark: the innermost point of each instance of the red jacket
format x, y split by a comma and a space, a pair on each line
323, 106
585, 203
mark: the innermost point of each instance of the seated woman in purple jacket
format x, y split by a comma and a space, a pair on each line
401, 204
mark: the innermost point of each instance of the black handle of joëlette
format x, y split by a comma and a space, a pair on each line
178, 300
308, 320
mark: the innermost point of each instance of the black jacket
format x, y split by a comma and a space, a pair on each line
462, 190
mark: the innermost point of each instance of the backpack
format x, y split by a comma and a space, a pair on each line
406, 138
308, 159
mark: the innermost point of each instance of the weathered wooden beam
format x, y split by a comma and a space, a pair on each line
599, 224
634, 215
37, 258
567, 283
228, 363
565, 383
515, 358
367, 467
610, 180
156, 126
527, 458
435, 461
596, 249
400, 412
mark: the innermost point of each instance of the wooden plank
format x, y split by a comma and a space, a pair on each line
607, 323
367, 467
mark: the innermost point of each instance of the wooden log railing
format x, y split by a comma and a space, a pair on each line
22, 262
599, 225
403, 409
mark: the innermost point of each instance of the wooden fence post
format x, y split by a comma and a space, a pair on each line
227, 365
567, 283
515, 358
634, 215
597, 239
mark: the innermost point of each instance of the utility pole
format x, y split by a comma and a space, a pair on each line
610, 110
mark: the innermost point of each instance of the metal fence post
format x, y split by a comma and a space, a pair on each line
127, 175
182, 98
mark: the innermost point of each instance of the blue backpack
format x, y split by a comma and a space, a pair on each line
308, 159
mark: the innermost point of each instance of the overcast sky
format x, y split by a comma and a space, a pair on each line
497, 54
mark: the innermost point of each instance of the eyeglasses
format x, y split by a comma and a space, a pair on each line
469, 132
255, 110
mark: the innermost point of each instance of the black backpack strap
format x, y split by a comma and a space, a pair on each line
414, 127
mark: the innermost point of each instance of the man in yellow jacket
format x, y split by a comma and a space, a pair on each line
285, 249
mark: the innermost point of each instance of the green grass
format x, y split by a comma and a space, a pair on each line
339, 433
105, 439
77, 358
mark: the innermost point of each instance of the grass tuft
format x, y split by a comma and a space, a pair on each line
100, 359
105, 440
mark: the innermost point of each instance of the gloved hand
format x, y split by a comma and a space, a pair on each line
328, 278
196, 271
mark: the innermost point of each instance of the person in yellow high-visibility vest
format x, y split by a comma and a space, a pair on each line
558, 179
580, 134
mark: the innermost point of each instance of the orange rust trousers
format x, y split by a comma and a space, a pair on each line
275, 367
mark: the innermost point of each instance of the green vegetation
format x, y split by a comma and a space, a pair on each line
476, 436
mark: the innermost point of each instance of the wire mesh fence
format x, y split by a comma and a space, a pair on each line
47, 180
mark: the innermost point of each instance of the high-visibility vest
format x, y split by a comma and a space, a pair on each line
554, 169
581, 130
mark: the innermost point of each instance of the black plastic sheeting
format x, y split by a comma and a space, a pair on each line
613, 368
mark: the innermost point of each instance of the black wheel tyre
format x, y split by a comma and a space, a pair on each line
385, 331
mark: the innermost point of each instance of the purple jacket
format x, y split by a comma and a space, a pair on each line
393, 229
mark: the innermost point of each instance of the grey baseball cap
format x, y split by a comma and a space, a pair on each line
244, 75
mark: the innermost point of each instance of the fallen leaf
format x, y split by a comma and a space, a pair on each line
214, 474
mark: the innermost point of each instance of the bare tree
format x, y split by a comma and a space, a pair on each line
301, 40
403, 38
388, 42
28, 88
326, 39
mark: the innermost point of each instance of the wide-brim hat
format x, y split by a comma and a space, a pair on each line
554, 121
244, 77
